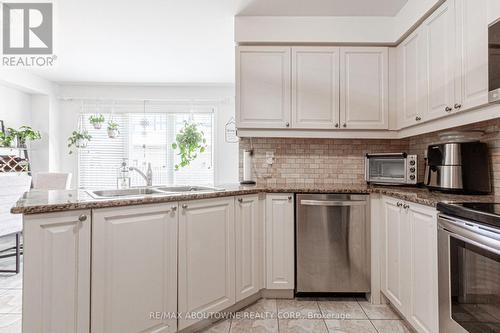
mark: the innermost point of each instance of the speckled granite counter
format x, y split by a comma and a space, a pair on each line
36, 202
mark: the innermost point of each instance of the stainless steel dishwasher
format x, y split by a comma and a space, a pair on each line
332, 243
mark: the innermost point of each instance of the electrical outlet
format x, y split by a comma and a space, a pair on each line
270, 157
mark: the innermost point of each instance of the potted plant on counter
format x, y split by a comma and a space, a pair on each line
97, 121
78, 139
113, 130
190, 141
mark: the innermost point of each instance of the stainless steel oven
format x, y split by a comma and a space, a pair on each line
469, 276
494, 62
391, 169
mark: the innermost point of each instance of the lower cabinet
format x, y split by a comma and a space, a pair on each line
206, 258
56, 295
409, 262
280, 242
134, 269
249, 246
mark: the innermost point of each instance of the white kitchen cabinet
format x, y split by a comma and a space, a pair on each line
439, 29
395, 269
280, 263
315, 87
423, 306
249, 251
263, 87
409, 262
472, 54
134, 268
56, 294
364, 95
411, 78
206, 257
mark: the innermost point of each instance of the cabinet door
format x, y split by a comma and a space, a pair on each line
423, 309
134, 269
440, 37
248, 246
364, 86
472, 54
395, 254
280, 263
411, 89
56, 295
315, 87
262, 87
206, 257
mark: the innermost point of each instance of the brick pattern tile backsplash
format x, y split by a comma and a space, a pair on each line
342, 161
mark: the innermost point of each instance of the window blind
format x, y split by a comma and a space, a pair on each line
144, 138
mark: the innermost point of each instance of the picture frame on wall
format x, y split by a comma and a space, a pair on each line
2, 127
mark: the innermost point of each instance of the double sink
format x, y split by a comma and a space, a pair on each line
142, 191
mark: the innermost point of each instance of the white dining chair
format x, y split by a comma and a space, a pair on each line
51, 181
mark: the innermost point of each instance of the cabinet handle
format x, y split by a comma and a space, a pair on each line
458, 106
174, 208
240, 200
405, 206
417, 118
184, 206
82, 218
344, 125
448, 109
337, 125
399, 204
289, 198
287, 124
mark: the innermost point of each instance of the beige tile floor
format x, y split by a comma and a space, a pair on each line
323, 315
10, 292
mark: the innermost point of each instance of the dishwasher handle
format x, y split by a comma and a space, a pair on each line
334, 203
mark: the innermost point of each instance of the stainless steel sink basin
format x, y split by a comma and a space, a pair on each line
183, 189
129, 192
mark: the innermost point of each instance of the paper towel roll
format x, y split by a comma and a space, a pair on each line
247, 165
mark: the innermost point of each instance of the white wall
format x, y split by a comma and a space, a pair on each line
226, 154
15, 107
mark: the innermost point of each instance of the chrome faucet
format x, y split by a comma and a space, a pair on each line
148, 177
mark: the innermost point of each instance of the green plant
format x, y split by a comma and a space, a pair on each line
112, 126
25, 133
6, 139
97, 120
78, 139
190, 141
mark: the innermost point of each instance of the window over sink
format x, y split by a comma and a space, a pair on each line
144, 137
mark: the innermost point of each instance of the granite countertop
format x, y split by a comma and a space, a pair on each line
37, 201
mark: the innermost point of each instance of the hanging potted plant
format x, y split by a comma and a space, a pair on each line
113, 130
78, 139
24, 134
190, 141
97, 121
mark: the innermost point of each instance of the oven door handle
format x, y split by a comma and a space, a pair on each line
477, 238
335, 203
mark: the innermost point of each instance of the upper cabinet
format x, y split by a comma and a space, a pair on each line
312, 87
315, 87
443, 65
263, 87
364, 87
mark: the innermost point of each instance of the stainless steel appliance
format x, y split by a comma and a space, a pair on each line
391, 169
494, 62
332, 243
469, 267
458, 167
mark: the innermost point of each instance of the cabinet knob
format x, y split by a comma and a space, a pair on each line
184, 206
174, 208
344, 125
458, 106
399, 204
240, 200
82, 218
417, 118
287, 124
405, 206
289, 198
448, 109
337, 125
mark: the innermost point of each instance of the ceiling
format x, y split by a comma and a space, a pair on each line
168, 41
